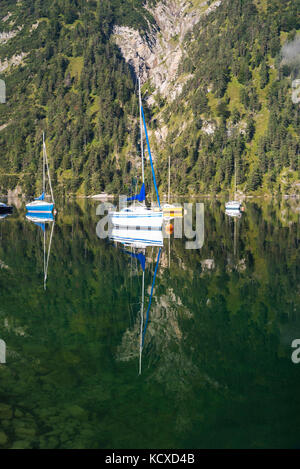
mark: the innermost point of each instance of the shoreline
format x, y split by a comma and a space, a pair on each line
174, 197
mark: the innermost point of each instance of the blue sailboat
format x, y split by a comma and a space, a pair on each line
40, 205
137, 214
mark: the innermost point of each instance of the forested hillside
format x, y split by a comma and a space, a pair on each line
66, 75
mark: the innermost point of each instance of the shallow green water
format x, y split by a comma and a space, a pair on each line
216, 364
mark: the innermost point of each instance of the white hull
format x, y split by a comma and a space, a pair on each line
137, 217
233, 213
137, 238
233, 205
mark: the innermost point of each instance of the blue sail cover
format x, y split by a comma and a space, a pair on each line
140, 257
150, 156
41, 225
141, 196
42, 197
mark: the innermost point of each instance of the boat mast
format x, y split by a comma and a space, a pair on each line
44, 175
48, 172
234, 177
169, 183
141, 130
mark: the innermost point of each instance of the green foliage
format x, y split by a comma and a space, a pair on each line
71, 65
75, 84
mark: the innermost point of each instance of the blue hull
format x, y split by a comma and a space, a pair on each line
43, 208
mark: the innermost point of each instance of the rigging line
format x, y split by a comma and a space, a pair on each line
149, 305
150, 156
44, 175
142, 322
49, 178
141, 130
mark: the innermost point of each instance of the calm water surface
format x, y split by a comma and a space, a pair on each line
216, 362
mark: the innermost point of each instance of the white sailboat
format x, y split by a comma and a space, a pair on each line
39, 205
137, 214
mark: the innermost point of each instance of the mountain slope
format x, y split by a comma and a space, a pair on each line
217, 88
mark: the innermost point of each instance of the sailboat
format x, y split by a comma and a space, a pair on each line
137, 214
234, 204
42, 220
39, 205
138, 251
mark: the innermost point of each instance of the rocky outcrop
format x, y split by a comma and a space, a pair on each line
3, 126
157, 56
4, 37
12, 62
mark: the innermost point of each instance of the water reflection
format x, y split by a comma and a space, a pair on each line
4, 216
214, 354
233, 213
135, 242
42, 220
136, 238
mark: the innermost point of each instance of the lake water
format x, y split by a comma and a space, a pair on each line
216, 367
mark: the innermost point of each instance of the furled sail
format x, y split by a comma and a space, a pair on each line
42, 197
150, 156
140, 257
141, 196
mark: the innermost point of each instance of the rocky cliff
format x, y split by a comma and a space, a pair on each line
156, 56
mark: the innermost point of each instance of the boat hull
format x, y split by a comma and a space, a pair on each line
40, 217
137, 238
233, 213
38, 207
5, 209
233, 206
137, 219
172, 211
